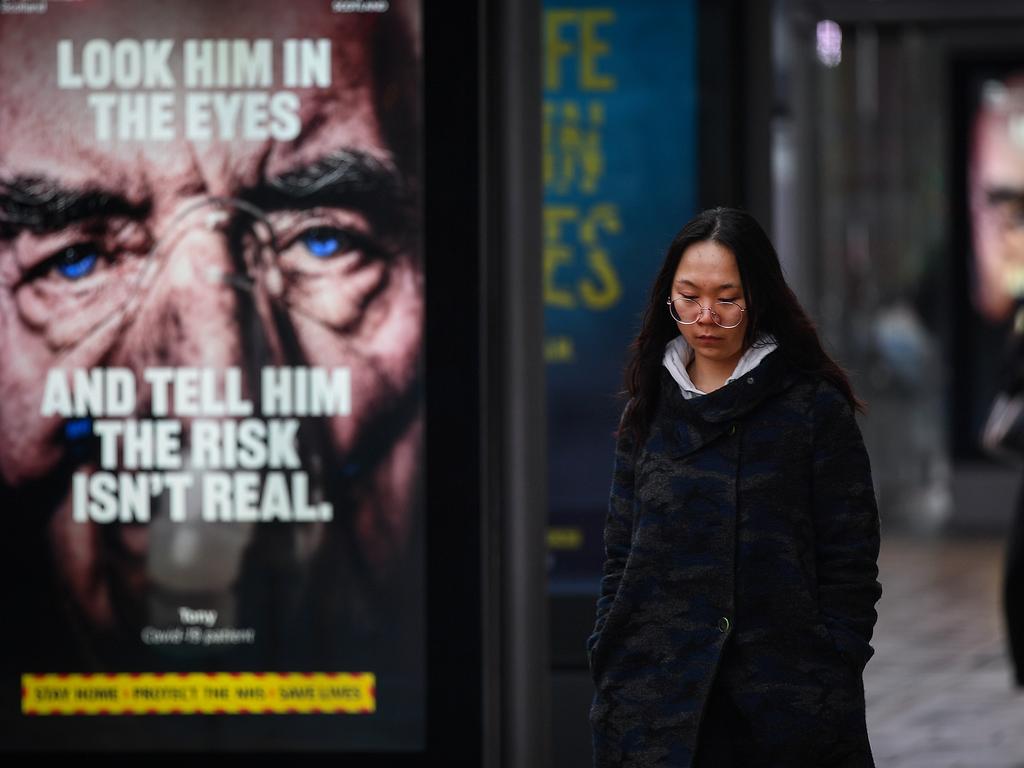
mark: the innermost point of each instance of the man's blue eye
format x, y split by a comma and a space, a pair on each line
77, 261
324, 242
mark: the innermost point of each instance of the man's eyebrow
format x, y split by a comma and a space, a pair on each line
345, 177
41, 205
1002, 194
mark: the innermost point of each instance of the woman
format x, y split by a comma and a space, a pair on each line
738, 596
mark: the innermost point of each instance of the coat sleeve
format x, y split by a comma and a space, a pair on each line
846, 526
618, 533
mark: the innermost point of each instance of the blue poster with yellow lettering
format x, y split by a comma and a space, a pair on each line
620, 178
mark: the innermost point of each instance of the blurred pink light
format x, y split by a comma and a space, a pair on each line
830, 43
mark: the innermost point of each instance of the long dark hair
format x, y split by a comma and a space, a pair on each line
772, 308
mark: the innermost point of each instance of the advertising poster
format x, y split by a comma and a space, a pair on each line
620, 179
988, 235
211, 385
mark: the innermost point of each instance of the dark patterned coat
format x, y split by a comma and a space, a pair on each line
749, 517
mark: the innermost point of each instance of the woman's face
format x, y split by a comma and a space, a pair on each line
707, 273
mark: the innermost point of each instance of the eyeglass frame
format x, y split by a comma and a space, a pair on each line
255, 275
714, 315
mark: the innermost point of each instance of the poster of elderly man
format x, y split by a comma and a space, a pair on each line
211, 387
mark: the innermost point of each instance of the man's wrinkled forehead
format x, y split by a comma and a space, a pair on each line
50, 131
30, 41
998, 149
997, 135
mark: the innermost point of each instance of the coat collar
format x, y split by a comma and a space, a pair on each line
679, 354
683, 426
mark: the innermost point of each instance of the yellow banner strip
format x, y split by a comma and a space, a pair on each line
198, 693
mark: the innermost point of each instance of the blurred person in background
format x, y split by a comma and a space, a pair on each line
996, 199
742, 536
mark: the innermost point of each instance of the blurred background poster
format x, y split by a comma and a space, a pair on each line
619, 139
988, 178
211, 326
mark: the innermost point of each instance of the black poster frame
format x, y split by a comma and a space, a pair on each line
455, 521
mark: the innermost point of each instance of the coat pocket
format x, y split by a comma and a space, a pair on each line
833, 652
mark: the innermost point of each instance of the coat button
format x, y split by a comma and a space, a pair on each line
723, 624
750, 379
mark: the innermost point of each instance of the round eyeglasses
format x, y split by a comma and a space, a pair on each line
725, 314
285, 264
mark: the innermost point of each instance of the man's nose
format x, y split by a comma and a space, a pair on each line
192, 314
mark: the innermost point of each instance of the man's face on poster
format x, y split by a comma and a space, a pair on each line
996, 197
217, 254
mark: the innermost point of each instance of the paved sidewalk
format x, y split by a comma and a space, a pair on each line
938, 688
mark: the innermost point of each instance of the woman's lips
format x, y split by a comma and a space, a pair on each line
708, 339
